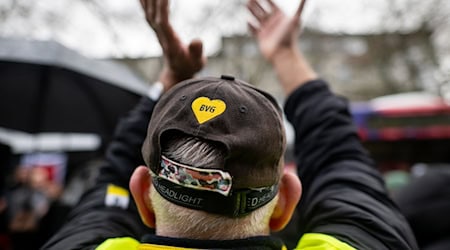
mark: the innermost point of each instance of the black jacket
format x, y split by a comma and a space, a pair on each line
343, 194
92, 221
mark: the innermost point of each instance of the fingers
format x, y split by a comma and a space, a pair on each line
157, 15
196, 48
149, 9
196, 54
180, 61
257, 10
162, 12
298, 13
273, 6
156, 12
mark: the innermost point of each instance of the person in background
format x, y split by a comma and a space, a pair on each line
424, 202
194, 170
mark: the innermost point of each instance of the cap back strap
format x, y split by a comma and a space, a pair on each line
237, 204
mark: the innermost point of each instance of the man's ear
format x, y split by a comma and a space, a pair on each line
140, 184
288, 198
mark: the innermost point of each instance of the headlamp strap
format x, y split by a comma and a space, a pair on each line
238, 203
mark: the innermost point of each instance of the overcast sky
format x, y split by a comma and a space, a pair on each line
77, 24
191, 22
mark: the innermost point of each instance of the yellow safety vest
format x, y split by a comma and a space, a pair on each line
310, 241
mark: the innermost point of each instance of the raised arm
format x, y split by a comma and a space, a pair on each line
344, 202
107, 210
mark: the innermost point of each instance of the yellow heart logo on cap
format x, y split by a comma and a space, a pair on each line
205, 109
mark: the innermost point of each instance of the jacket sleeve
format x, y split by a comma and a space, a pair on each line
343, 193
107, 210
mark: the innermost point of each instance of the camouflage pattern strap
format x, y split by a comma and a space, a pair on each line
214, 180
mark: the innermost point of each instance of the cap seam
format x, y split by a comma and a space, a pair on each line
279, 125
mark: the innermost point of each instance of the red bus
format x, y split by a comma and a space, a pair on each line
405, 128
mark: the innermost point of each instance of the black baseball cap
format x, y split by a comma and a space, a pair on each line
245, 120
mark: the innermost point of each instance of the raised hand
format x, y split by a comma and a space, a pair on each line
180, 61
277, 36
274, 30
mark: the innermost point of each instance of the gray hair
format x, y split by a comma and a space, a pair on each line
173, 220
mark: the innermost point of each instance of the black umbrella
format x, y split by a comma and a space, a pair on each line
50, 92
45, 87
